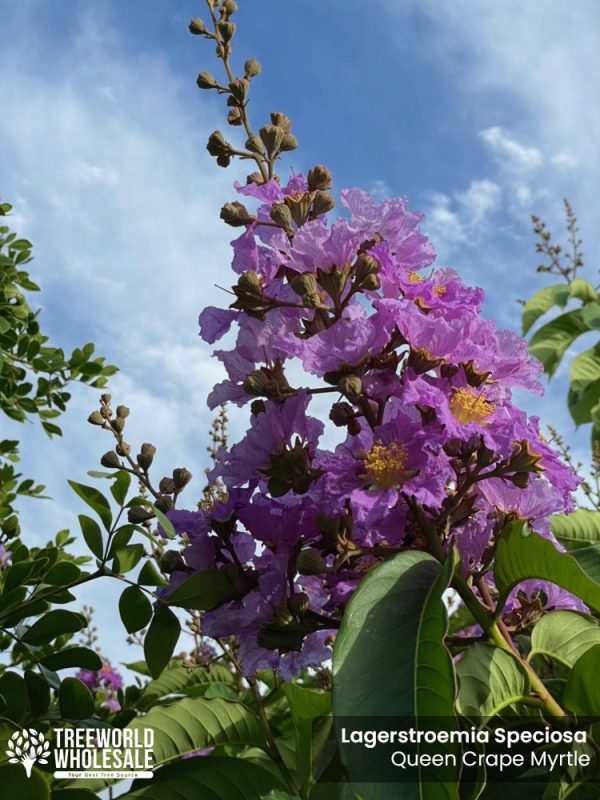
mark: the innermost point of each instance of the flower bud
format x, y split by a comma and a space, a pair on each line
255, 145
230, 7
111, 460
322, 203
236, 214
271, 136
172, 561
166, 486
288, 142
234, 117
364, 266
319, 179
310, 562
138, 514
117, 424
197, 27
122, 411
226, 31
281, 120
283, 615
298, 604
252, 68
341, 414
106, 398
239, 90
96, 418
217, 146
305, 285
257, 407
164, 503
146, 456
281, 214
206, 80
123, 449
223, 161
351, 387
181, 478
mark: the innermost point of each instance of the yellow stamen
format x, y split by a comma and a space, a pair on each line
439, 290
469, 405
413, 277
385, 465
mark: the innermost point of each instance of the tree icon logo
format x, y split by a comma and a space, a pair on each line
28, 747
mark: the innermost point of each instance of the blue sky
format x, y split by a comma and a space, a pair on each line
480, 113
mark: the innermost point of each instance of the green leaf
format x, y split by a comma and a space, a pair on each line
579, 529
95, 500
191, 724
15, 783
135, 609
203, 590
120, 487
75, 700
590, 314
585, 368
62, 573
564, 636
588, 559
53, 624
520, 556
551, 341
178, 680
161, 639
126, 558
306, 705
490, 679
73, 657
92, 535
389, 657
14, 691
542, 301
582, 404
583, 290
214, 778
149, 576
582, 693
38, 692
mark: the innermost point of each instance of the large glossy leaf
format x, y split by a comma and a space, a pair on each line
564, 636
306, 706
95, 500
579, 529
582, 693
552, 340
389, 657
163, 635
177, 680
490, 679
203, 590
214, 778
194, 723
521, 554
542, 301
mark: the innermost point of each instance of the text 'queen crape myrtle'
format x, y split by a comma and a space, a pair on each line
422, 389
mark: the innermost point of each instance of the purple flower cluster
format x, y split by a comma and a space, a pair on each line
107, 680
422, 403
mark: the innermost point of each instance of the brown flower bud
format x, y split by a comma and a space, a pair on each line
96, 418
319, 179
197, 27
164, 503
111, 460
298, 604
106, 398
206, 80
288, 142
310, 562
281, 214
272, 136
217, 146
230, 7
322, 203
166, 486
365, 266
139, 514
223, 161
117, 424
146, 456
252, 68
341, 414
236, 214
281, 120
234, 117
257, 407
122, 411
226, 31
181, 477
172, 561
123, 449
255, 145
239, 90
351, 387
305, 285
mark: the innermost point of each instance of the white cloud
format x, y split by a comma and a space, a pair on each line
511, 153
479, 200
380, 190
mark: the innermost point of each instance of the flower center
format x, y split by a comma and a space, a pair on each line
469, 405
414, 277
385, 465
439, 290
